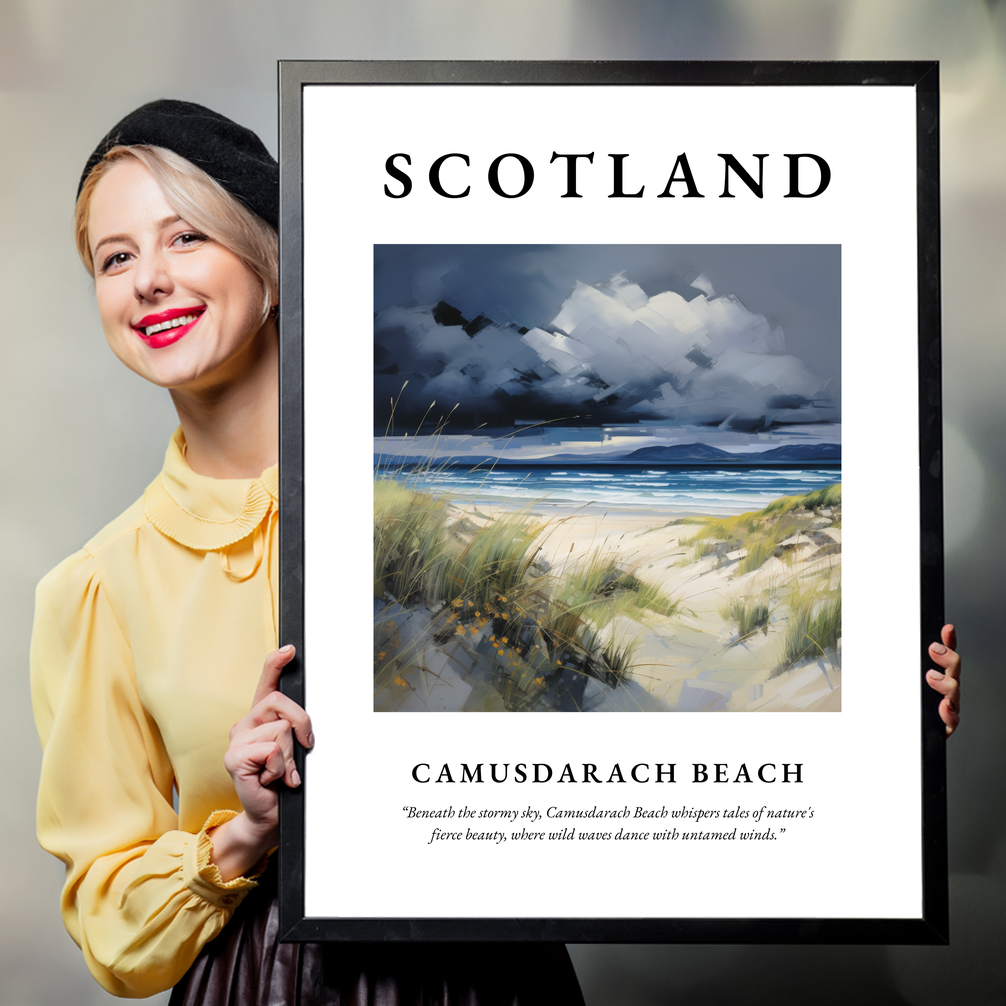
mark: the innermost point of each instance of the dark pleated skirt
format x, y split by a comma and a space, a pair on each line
246, 965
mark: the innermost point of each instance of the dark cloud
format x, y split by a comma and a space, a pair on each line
603, 334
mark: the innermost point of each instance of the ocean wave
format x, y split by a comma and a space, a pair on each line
719, 491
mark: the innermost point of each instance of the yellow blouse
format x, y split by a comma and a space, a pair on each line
147, 647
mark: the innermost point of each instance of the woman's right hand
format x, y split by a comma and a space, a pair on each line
259, 754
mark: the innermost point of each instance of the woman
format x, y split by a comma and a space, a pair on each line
148, 643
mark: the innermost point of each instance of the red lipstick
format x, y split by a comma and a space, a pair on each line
166, 327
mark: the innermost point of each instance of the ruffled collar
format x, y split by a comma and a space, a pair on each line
203, 513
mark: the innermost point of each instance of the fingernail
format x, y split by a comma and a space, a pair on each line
295, 777
310, 740
936, 675
938, 648
287, 649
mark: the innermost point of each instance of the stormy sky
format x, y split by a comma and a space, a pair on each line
739, 336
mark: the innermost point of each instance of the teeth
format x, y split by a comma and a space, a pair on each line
174, 323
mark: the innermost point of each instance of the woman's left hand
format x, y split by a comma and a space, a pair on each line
947, 682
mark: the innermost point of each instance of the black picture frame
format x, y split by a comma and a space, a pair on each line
931, 925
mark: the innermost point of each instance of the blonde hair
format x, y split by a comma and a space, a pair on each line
199, 200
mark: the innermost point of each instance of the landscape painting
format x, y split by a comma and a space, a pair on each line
607, 478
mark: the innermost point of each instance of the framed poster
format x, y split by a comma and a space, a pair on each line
633, 369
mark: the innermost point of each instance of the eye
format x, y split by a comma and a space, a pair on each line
115, 261
189, 239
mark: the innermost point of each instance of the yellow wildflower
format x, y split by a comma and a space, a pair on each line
381, 655
402, 682
459, 631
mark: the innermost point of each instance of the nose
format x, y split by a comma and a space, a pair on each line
152, 276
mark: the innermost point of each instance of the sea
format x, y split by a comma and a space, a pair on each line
696, 490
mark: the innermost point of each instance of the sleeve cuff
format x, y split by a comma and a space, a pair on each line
202, 876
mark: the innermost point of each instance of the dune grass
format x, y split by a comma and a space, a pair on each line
828, 496
761, 545
418, 558
749, 614
598, 588
759, 532
478, 576
815, 622
409, 540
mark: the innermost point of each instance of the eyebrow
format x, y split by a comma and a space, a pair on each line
111, 238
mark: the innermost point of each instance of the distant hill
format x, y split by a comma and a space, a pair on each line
678, 455
804, 452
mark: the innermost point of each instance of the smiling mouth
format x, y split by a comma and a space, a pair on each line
185, 319
167, 321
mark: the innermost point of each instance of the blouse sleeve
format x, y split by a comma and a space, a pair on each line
141, 898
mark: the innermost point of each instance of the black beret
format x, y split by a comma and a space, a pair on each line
230, 154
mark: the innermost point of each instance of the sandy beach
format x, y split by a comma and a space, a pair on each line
700, 657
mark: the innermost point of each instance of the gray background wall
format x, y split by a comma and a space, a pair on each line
82, 436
